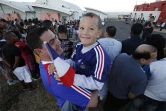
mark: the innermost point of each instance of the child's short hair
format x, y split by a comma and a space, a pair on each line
90, 14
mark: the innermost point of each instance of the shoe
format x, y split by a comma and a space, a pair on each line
32, 89
12, 82
36, 78
25, 88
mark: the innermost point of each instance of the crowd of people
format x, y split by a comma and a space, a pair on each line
79, 69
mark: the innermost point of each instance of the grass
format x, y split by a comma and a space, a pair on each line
13, 98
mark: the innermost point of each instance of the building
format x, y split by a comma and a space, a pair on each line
12, 10
58, 10
98, 12
42, 9
157, 9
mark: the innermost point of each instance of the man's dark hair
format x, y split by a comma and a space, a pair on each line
33, 38
17, 34
144, 54
136, 29
7, 35
111, 30
47, 24
90, 14
62, 29
157, 41
3, 20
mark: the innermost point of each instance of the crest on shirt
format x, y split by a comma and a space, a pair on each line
82, 66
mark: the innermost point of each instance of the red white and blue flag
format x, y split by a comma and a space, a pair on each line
64, 70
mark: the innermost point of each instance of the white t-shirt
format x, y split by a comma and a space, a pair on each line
163, 24
111, 46
156, 88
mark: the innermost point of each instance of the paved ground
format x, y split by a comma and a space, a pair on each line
123, 30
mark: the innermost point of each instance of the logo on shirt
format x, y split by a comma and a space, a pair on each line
82, 66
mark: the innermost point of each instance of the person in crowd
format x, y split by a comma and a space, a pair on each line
129, 45
4, 67
127, 79
162, 26
67, 45
148, 28
154, 95
49, 25
26, 54
111, 45
113, 48
12, 57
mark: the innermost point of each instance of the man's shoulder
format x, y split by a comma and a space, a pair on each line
126, 40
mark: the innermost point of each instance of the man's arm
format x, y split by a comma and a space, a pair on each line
16, 63
5, 61
131, 96
152, 24
138, 86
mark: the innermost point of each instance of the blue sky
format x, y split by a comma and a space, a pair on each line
106, 5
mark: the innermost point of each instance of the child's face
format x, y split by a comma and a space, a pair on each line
88, 30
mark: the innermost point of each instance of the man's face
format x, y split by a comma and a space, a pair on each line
49, 37
153, 57
88, 30
1, 23
14, 38
152, 19
51, 27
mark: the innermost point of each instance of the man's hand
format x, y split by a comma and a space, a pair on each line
51, 68
93, 100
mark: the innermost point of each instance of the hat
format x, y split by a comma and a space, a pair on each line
152, 17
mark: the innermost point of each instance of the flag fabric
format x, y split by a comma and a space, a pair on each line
64, 70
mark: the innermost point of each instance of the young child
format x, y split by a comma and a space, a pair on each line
89, 60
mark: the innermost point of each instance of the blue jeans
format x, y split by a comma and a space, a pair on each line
104, 90
68, 106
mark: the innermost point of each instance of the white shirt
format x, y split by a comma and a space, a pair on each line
111, 46
163, 24
156, 88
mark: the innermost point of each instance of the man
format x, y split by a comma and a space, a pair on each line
12, 58
3, 23
113, 48
67, 45
129, 45
162, 26
111, 45
127, 79
48, 24
155, 93
65, 95
148, 27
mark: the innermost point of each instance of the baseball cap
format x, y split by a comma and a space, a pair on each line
152, 17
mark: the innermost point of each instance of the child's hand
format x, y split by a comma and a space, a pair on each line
93, 100
56, 76
51, 68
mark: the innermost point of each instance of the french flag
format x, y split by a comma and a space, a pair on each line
64, 70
